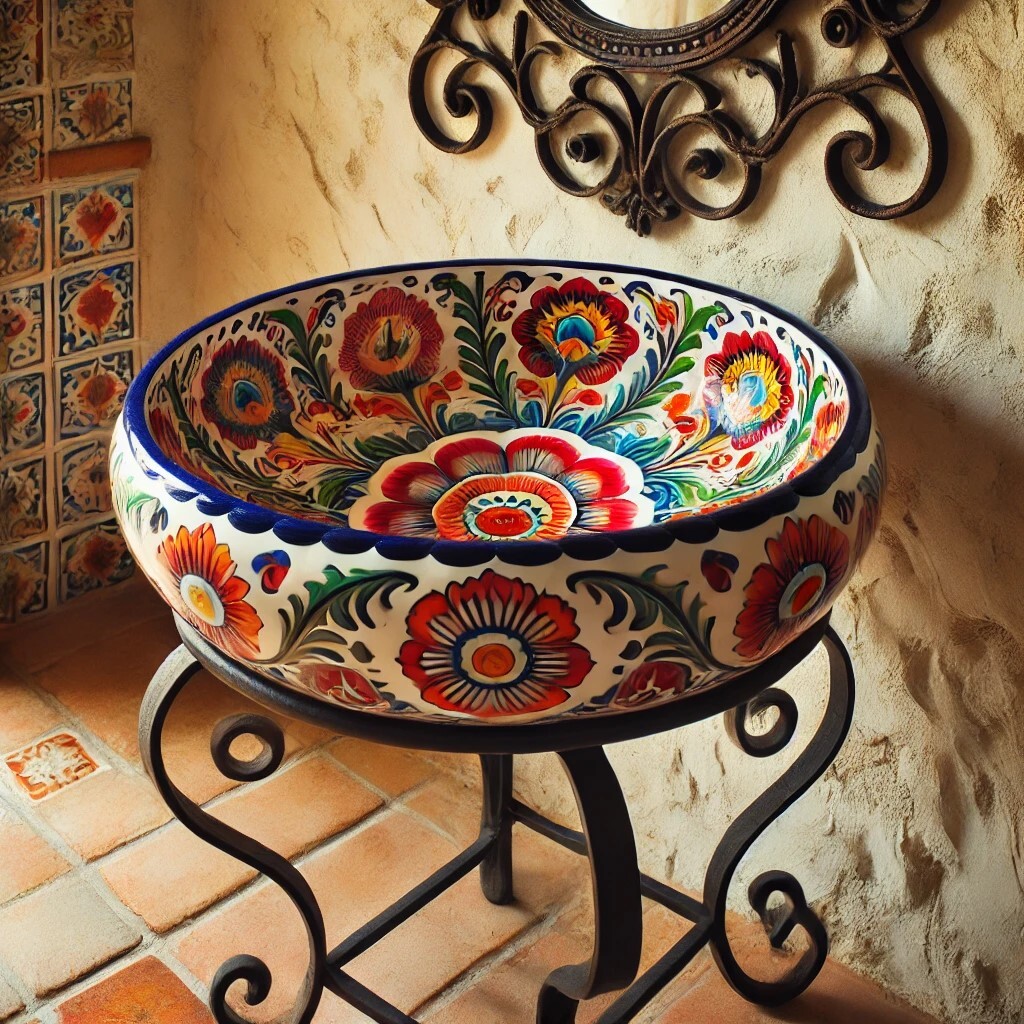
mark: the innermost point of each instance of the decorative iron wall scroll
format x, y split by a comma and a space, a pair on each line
649, 172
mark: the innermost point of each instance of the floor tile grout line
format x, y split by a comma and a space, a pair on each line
261, 881
475, 972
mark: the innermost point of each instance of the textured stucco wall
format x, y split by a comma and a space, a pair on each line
307, 162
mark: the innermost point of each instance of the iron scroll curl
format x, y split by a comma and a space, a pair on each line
620, 111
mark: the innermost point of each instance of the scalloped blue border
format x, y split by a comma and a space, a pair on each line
696, 529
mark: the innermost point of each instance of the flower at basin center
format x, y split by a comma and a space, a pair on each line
806, 564
245, 393
518, 485
202, 585
575, 329
391, 343
747, 387
493, 647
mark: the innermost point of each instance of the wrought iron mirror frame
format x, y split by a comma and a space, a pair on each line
644, 181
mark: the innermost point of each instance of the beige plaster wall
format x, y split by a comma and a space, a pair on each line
305, 161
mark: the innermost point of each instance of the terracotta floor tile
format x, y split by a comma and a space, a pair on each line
147, 992
547, 875
34, 645
391, 769
60, 933
508, 993
174, 875
837, 997
26, 859
105, 811
452, 805
10, 1001
353, 879
24, 716
171, 876
300, 807
108, 700
102, 682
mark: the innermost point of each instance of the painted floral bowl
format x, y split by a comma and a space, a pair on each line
499, 492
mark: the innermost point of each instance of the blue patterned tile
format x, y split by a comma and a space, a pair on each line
92, 558
21, 141
92, 391
92, 112
92, 37
23, 493
96, 306
22, 412
84, 481
21, 237
21, 44
23, 311
94, 220
24, 573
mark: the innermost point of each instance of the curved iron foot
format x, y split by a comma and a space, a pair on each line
807, 769
618, 926
170, 679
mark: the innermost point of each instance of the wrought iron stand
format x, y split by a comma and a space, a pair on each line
607, 837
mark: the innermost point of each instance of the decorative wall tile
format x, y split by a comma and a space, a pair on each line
22, 500
94, 557
96, 306
92, 112
92, 390
92, 36
94, 220
21, 237
23, 311
52, 764
23, 577
21, 141
22, 412
21, 44
84, 481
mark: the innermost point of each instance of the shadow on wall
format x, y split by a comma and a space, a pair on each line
950, 601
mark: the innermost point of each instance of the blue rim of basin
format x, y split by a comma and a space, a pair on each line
698, 528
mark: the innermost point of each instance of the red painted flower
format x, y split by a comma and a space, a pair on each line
245, 393
493, 647
655, 681
747, 387
575, 329
97, 305
806, 565
392, 343
346, 686
519, 485
204, 589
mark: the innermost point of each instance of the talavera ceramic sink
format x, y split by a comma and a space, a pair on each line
500, 492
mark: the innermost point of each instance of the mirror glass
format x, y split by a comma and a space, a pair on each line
655, 14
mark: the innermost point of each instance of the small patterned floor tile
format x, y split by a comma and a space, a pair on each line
44, 768
147, 992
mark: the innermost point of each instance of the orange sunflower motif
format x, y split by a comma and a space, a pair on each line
206, 591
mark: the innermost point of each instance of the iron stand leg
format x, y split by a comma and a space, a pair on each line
171, 678
618, 920
497, 821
